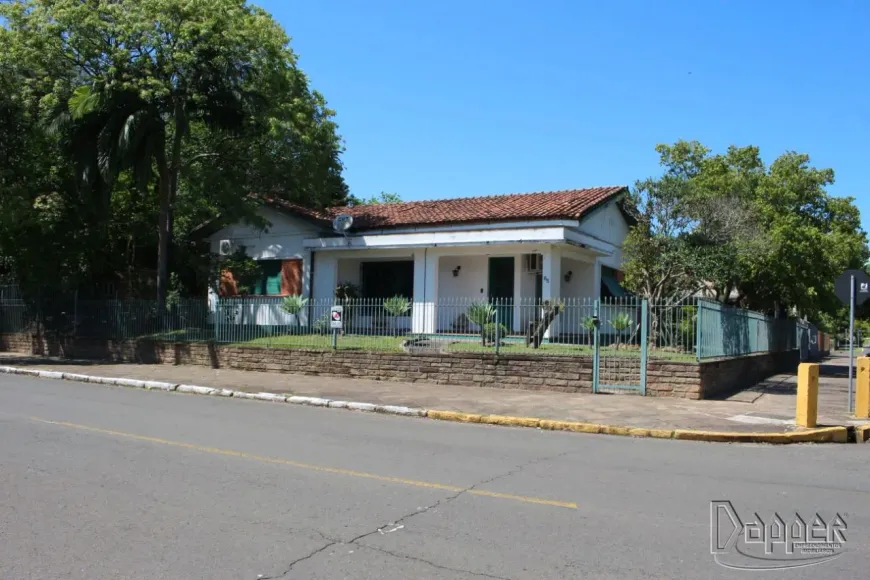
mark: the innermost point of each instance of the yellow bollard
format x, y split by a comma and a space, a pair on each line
807, 395
862, 389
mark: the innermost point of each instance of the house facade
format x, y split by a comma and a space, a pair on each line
515, 250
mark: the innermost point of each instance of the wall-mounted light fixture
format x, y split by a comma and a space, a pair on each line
456, 271
568, 276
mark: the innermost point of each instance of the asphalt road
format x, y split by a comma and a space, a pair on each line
105, 482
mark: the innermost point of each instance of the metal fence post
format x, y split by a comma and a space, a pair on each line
698, 329
644, 331
596, 345
497, 330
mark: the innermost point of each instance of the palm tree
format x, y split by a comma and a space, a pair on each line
481, 313
109, 131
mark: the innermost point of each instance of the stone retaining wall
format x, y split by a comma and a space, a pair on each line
573, 374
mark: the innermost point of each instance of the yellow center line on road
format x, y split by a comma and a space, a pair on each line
312, 467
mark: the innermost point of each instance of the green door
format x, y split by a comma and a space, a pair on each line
501, 288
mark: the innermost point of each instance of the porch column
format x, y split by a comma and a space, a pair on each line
307, 256
212, 305
424, 313
519, 299
325, 277
551, 282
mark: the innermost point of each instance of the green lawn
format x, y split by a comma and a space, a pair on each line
394, 344
320, 341
566, 349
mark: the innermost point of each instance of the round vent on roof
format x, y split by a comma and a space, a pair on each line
342, 223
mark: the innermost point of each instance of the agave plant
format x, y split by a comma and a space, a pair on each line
620, 323
397, 306
293, 305
481, 313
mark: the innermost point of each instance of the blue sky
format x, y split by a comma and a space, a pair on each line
449, 98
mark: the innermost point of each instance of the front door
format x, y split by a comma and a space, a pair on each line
501, 288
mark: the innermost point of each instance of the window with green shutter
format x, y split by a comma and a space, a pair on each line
270, 281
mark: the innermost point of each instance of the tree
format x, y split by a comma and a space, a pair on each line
660, 262
382, 197
163, 90
768, 238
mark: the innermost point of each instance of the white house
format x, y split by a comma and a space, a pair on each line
517, 249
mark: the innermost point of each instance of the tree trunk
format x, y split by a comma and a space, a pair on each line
164, 235
168, 171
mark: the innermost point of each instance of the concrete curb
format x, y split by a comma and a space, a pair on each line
836, 434
209, 391
821, 435
862, 433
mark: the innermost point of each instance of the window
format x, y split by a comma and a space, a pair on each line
388, 279
610, 286
270, 278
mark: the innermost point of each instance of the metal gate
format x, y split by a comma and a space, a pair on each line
620, 345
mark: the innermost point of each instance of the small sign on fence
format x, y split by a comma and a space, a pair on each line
336, 317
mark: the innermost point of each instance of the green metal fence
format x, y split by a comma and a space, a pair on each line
15, 316
725, 331
694, 329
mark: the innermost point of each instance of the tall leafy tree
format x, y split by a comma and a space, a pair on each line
164, 91
770, 238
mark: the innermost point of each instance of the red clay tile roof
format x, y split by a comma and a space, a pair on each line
545, 205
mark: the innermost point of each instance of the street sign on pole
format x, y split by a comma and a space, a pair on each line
851, 340
843, 286
853, 288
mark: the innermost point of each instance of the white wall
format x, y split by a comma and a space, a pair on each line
473, 277
280, 240
582, 282
255, 310
456, 294
609, 225
349, 271
606, 223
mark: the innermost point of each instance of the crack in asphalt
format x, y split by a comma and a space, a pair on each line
297, 560
433, 564
355, 541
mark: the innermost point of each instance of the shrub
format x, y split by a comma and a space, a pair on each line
293, 304
621, 322
397, 305
321, 324
481, 313
493, 331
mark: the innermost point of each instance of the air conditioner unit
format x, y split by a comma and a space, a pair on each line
226, 247
534, 263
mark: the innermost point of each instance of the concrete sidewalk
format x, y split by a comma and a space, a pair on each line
769, 407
